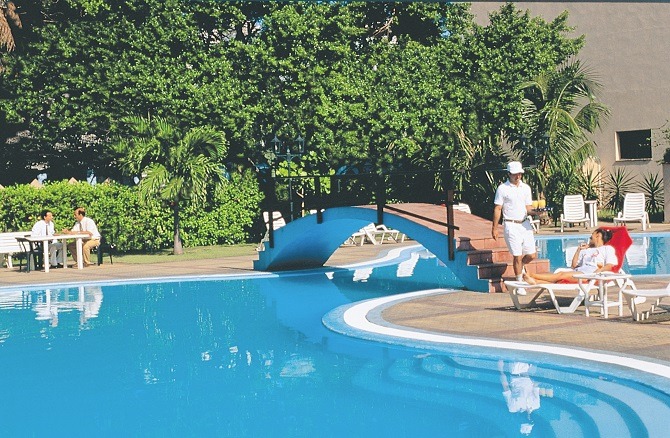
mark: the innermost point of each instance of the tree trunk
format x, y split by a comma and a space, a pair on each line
178, 249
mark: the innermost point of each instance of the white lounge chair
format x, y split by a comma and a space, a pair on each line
465, 208
634, 210
574, 211
389, 233
582, 290
569, 249
635, 297
375, 234
359, 237
277, 222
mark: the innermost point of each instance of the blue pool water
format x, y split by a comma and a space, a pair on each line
250, 357
648, 255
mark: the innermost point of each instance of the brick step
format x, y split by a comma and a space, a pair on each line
498, 270
495, 255
491, 270
469, 244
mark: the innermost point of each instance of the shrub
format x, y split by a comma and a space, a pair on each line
652, 187
617, 184
130, 224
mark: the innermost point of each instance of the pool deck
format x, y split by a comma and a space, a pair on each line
466, 313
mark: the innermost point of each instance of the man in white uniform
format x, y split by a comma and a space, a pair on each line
45, 227
521, 394
514, 202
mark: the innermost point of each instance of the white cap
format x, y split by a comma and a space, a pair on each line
514, 167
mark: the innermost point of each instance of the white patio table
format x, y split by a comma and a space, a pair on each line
45, 240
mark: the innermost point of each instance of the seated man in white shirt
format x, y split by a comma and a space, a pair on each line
46, 227
84, 225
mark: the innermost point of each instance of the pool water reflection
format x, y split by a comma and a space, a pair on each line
250, 357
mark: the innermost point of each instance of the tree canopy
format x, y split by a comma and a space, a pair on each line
393, 85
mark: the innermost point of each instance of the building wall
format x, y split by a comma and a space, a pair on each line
628, 48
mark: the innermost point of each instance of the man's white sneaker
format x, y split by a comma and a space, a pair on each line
521, 291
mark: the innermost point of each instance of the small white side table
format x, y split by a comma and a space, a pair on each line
603, 281
592, 205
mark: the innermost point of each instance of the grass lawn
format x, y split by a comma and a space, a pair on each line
195, 253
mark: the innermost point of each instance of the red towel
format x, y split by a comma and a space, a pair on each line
621, 241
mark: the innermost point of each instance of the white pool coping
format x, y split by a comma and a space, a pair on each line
357, 316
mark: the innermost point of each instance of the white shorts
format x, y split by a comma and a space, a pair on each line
519, 238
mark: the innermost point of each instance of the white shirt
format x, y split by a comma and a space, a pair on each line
590, 257
87, 224
514, 200
43, 228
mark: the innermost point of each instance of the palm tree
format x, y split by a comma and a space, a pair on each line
561, 109
177, 168
8, 15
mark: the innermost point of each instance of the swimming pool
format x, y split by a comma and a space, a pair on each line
648, 255
249, 356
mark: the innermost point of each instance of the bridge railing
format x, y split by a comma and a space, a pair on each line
296, 196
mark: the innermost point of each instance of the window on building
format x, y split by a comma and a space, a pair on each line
634, 145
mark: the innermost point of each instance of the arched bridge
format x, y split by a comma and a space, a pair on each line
479, 261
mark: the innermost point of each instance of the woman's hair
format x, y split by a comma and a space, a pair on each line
605, 234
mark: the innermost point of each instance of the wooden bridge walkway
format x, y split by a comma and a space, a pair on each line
473, 237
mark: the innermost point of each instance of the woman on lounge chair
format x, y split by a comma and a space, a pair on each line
595, 256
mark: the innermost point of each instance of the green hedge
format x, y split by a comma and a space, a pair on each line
229, 217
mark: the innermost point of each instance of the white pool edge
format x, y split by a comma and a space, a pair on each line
356, 317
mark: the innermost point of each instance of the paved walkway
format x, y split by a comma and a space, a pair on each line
464, 313
494, 316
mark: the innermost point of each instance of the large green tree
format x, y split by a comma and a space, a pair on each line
389, 85
89, 64
176, 167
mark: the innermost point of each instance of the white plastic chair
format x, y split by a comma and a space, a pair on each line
634, 210
574, 211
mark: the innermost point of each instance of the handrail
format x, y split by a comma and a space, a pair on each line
378, 186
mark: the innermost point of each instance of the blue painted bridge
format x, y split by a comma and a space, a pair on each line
479, 262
